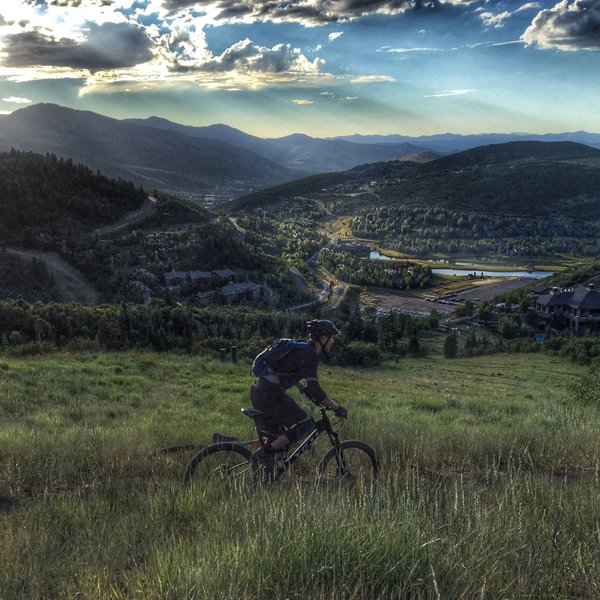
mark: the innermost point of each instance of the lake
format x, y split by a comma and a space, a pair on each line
464, 273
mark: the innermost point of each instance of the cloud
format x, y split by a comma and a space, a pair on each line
450, 93
494, 20
372, 79
17, 100
529, 6
247, 57
302, 101
406, 50
307, 12
108, 46
335, 35
350, 98
567, 26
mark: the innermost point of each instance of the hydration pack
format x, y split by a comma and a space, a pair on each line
266, 364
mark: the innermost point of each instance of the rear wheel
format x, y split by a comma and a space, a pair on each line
224, 462
352, 461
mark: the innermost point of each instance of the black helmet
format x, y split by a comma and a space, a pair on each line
319, 327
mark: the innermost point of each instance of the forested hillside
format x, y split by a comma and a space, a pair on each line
47, 196
525, 179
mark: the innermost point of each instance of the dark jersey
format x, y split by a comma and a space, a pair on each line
301, 363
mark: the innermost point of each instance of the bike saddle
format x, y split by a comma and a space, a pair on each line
253, 413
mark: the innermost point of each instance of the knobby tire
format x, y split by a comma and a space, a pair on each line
224, 461
361, 462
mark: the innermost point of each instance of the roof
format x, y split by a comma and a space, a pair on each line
200, 275
233, 289
582, 298
224, 272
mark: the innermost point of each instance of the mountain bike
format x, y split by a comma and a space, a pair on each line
230, 459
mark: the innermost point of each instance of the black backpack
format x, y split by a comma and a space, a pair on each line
267, 362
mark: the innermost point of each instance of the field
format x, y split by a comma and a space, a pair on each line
489, 485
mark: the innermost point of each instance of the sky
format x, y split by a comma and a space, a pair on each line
320, 67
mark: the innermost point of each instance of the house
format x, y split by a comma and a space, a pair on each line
200, 276
175, 278
145, 276
224, 274
141, 289
233, 292
204, 298
580, 306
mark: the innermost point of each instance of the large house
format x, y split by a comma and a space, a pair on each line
579, 305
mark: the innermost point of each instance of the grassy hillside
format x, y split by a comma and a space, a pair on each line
489, 485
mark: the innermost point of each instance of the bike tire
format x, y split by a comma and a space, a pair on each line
226, 462
360, 463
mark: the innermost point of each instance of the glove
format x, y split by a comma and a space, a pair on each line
341, 412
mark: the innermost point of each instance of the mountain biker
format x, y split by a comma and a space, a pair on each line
281, 411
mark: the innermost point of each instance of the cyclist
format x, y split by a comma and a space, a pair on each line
282, 413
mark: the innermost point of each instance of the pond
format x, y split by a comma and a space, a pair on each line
374, 255
464, 273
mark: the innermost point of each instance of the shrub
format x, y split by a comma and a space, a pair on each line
362, 354
588, 390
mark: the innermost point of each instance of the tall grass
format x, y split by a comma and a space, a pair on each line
489, 485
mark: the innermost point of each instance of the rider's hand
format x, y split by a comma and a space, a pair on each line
341, 412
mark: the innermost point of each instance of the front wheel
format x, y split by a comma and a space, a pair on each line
225, 462
352, 460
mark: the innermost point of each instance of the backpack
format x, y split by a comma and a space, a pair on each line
266, 363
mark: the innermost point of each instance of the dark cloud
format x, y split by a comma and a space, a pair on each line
313, 12
567, 26
78, 3
108, 46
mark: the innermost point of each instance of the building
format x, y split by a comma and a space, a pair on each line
580, 306
234, 292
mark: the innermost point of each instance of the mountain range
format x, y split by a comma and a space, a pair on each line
449, 143
156, 153
219, 160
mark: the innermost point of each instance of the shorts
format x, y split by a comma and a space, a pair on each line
281, 410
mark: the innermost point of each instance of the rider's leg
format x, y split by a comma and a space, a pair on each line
294, 433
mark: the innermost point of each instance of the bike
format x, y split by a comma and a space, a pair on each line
231, 459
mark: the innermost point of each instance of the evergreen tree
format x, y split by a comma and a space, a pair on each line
451, 345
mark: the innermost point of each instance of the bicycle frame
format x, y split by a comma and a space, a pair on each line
323, 425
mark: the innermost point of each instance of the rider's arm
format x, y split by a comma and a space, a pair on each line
318, 395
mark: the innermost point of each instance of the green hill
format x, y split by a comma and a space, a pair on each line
526, 179
43, 196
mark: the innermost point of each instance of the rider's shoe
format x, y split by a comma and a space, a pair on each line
266, 461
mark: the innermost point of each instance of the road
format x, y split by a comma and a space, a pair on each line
147, 209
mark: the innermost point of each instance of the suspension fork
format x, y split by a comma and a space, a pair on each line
339, 451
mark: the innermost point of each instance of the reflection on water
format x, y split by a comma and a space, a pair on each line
376, 256
463, 273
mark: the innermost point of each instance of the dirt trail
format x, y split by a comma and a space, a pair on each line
73, 285
129, 219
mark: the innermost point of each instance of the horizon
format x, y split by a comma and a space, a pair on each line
374, 67
348, 135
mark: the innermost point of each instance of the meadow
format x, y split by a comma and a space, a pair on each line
489, 485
